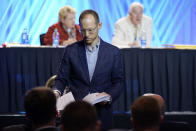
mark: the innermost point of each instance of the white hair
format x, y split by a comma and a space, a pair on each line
135, 4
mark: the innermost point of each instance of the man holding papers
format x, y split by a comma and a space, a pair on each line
92, 66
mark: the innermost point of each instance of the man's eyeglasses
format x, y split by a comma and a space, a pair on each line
90, 31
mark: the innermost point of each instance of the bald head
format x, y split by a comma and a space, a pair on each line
136, 12
146, 113
159, 99
135, 5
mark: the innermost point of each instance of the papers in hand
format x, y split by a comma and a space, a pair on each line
95, 98
92, 98
64, 100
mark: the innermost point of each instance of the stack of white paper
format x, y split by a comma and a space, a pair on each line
95, 98
91, 98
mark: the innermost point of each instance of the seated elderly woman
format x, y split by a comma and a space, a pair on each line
68, 30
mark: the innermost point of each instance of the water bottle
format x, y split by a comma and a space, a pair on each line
143, 39
24, 37
55, 38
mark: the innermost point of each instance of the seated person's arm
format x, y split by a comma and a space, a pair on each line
119, 39
69, 41
48, 36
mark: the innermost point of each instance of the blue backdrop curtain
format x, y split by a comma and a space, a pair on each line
174, 20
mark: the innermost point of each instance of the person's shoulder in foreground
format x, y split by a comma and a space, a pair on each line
20, 127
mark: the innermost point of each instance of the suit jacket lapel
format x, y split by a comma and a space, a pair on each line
84, 65
101, 55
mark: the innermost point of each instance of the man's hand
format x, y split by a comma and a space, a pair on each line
56, 94
69, 41
104, 94
134, 44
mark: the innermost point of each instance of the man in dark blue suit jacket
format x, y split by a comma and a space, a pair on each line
92, 66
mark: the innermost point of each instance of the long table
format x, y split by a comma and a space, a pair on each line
168, 72
22, 69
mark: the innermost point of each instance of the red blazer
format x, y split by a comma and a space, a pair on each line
63, 35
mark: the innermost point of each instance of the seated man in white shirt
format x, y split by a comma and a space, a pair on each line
130, 30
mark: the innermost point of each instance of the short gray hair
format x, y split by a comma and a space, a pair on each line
135, 4
65, 10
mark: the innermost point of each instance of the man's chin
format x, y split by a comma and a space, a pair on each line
138, 22
88, 41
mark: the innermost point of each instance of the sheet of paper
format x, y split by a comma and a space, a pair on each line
64, 100
93, 98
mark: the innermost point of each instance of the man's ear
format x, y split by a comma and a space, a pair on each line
98, 126
131, 119
99, 25
133, 122
162, 118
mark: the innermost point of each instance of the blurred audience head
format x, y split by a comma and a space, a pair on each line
159, 99
67, 16
136, 12
145, 114
80, 116
40, 106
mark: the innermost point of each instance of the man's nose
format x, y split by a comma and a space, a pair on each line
86, 33
139, 16
74, 20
